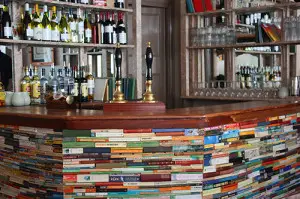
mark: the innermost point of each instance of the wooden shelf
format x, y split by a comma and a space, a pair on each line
76, 5
59, 44
289, 99
260, 52
248, 44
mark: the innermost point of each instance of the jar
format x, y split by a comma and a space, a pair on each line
26, 98
18, 99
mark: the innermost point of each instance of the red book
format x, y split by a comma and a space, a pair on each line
198, 5
137, 130
208, 5
155, 177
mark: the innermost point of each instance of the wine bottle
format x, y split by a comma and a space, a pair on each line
43, 84
73, 27
94, 20
53, 86
119, 4
108, 30
55, 34
38, 29
84, 84
80, 26
25, 83
6, 22
76, 84
114, 28
121, 30
35, 88
102, 31
46, 25
1, 24
64, 29
27, 26
84, 1
61, 83
90, 84
87, 29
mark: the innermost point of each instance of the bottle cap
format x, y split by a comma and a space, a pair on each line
45, 8
149, 44
26, 6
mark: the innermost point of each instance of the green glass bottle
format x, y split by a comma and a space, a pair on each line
46, 25
87, 29
64, 29
55, 33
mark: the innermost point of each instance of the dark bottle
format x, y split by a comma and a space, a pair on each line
118, 60
27, 25
6, 22
1, 24
119, 4
108, 30
101, 28
121, 30
84, 86
114, 28
76, 84
149, 61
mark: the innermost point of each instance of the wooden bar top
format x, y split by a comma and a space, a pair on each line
198, 117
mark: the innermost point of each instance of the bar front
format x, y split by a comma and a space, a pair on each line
245, 150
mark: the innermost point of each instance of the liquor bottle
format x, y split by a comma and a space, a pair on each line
25, 83
115, 40
1, 24
64, 29
73, 27
90, 84
101, 27
27, 24
6, 22
38, 29
61, 82
69, 82
119, 4
35, 88
30, 72
122, 33
46, 25
43, 84
108, 30
76, 84
80, 26
55, 34
84, 1
53, 84
87, 29
84, 85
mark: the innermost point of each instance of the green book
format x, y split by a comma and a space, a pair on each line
78, 144
76, 133
142, 144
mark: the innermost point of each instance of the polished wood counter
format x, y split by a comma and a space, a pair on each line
176, 118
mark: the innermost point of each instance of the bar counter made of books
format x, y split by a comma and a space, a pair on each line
238, 160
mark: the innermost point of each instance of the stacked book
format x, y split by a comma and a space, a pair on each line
30, 163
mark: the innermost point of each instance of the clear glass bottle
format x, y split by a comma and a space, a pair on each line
43, 84
80, 26
61, 82
53, 85
87, 29
64, 29
35, 87
25, 83
73, 27
84, 85
90, 84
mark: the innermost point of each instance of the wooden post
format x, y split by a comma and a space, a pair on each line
136, 69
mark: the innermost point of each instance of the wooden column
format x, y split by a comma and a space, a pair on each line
17, 55
136, 69
83, 56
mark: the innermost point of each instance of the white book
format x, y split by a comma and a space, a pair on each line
140, 184
107, 134
139, 134
73, 151
156, 138
128, 169
93, 178
194, 196
124, 139
179, 177
107, 131
111, 144
65, 166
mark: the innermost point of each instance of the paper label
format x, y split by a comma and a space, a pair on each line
209, 169
75, 90
29, 32
64, 37
123, 37
84, 89
81, 27
88, 33
73, 26
36, 90
26, 87
55, 35
108, 29
7, 31
223, 160
37, 33
46, 34
73, 151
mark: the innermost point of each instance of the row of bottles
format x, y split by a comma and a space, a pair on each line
117, 3
98, 29
258, 77
58, 84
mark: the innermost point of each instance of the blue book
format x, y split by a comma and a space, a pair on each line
167, 130
190, 6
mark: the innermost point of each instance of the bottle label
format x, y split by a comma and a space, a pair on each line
84, 89
80, 27
74, 37
46, 34
91, 83
36, 92
108, 29
55, 35
43, 89
114, 37
75, 90
73, 26
37, 33
54, 89
120, 1
123, 37
7, 31
29, 32
64, 35
26, 87
88, 33
102, 33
